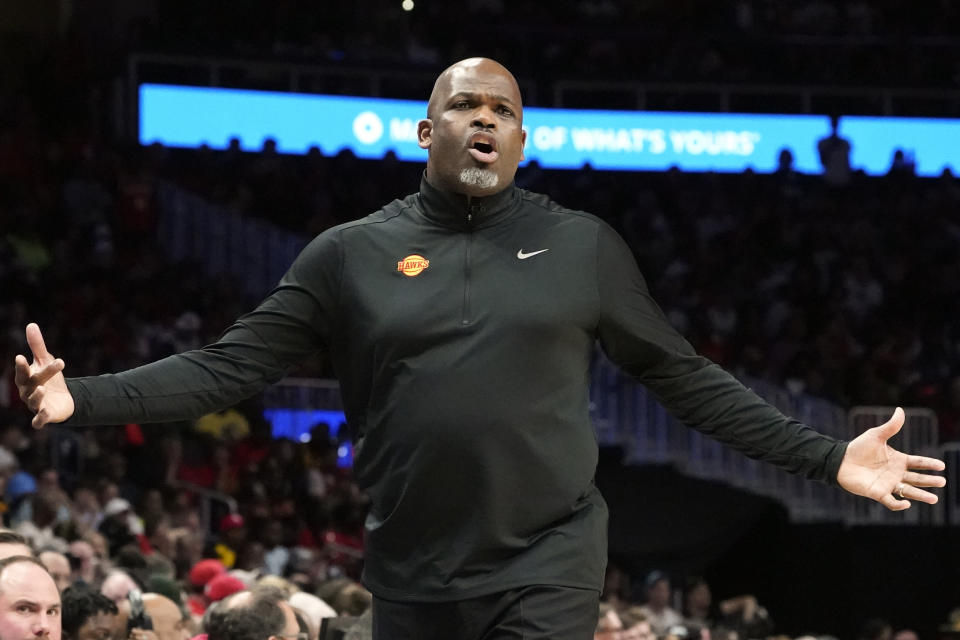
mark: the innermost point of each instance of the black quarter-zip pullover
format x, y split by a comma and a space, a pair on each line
461, 331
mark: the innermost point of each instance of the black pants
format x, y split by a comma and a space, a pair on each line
529, 613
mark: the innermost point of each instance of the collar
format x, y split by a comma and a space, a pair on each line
461, 211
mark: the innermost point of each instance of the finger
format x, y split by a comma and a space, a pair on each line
924, 479
50, 370
913, 493
925, 464
40, 420
35, 399
890, 502
37, 346
892, 426
21, 370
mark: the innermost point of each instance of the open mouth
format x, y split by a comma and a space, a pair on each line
483, 149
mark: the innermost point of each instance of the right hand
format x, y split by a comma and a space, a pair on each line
41, 384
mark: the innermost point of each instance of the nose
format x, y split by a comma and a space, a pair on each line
42, 627
483, 118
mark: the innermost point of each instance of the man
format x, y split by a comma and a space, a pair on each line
13, 544
251, 615
117, 586
657, 610
461, 321
169, 621
29, 600
38, 528
89, 615
58, 565
86, 565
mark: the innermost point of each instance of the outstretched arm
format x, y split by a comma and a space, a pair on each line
295, 320
41, 383
872, 468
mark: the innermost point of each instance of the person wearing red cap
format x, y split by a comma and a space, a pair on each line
200, 575
222, 586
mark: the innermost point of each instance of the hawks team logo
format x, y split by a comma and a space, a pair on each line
412, 265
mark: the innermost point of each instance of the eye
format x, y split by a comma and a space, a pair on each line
505, 110
461, 104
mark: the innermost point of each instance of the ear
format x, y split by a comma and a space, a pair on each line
523, 143
425, 133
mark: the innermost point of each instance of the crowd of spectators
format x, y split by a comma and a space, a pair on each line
657, 608
135, 595
120, 510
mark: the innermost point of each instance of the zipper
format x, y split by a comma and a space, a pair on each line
473, 210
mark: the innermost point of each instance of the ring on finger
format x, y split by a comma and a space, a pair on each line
899, 490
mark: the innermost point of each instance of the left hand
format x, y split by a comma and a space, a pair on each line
874, 469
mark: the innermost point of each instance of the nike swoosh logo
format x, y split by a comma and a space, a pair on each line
523, 256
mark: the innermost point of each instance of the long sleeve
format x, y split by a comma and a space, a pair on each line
295, 320
635, 334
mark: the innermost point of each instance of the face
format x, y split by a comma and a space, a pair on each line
102, 626
29, 603
59, 568
86, 557
168, 622
699, 596
659, 594
474, 131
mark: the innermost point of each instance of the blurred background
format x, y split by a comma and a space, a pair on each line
831, 290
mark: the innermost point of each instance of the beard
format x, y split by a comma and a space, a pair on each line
481, 178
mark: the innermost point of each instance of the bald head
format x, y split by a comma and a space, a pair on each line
167, 618
473, 132
467, 71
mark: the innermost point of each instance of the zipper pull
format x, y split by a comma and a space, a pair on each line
474, 209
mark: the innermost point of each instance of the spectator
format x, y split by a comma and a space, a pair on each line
249, 616
834, 153
58, 565
313, 610
233, 534
13, 544
38, 528
199, 577
169, 622
222, 586
657, 609
117, 586
88, 615
84, 562
29, 600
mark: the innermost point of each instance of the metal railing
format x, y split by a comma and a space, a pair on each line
207, 498
254, 251
627, 416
